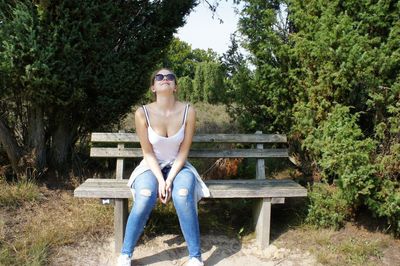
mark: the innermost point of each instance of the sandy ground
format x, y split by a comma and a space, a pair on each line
171, 250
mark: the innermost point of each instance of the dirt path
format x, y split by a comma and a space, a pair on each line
171, 250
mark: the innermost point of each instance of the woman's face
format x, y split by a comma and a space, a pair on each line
164, 81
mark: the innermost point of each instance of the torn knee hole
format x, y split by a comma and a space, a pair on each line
183, 192
145, 192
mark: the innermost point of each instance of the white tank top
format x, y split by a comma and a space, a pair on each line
166, 148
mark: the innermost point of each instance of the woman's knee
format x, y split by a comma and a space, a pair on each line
183, 186
145, 200
180, 193
145, 187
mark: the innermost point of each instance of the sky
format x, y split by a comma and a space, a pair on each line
203, 32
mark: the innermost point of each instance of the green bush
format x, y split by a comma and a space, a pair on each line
327, 206
386, 203
342, 153
344, 156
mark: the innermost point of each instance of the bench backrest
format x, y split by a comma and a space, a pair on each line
103, 147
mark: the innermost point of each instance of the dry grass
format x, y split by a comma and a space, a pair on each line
15, 194
30, 233
33, 231
349, 246
214, 119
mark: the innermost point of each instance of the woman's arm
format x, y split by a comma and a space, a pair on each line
147, 149
184, 148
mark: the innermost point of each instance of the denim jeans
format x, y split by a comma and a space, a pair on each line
146, 194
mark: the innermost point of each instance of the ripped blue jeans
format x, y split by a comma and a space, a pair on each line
146, 194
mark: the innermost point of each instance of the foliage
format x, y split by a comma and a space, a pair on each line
71, 67
239, 83
270, 95
183, 59
327, 206
328, 73
185, 88
199, 71
346, 57
342, 152
349, 55
208, 85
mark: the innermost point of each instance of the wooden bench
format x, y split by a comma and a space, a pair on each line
269, 191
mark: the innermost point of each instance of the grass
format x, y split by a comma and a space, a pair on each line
30, 231
357, 251
14, 194
349, 246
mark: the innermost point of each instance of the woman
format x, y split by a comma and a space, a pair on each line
165, 129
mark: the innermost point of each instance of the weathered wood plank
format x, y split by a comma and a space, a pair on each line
260, 167
240, 138
119, 168
120, 218
220, 138
263, 222
109, 188
114, 137
234, 153
115, 152
239, 153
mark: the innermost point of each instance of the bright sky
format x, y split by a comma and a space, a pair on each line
202, 31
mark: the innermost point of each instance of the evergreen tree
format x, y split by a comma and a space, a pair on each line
271, 94
71, 67
328, 72
198, 85
185, 88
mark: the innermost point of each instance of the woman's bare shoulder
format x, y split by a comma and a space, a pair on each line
191, 111
183, 104
191, 107
139, 113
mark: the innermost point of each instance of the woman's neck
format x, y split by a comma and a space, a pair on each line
165, 104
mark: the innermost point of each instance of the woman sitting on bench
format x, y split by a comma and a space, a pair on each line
165, 129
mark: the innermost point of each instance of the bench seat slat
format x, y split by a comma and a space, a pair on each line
220, 138
238, 153
111, 188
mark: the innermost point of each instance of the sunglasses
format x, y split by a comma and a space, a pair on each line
159, 77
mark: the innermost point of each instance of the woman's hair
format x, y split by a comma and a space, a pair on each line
153, 76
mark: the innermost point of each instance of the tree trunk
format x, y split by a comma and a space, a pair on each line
8, 141
36, 138
61, 146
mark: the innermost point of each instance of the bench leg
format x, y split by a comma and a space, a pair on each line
120, 217
263, 222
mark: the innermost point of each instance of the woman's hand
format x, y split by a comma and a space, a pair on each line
168, 188
164, 193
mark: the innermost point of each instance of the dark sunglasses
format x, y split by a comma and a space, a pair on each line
159, 77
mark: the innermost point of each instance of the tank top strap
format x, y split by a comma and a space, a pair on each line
146, 114
185, 115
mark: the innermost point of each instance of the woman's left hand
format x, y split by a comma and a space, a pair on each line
168, 189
